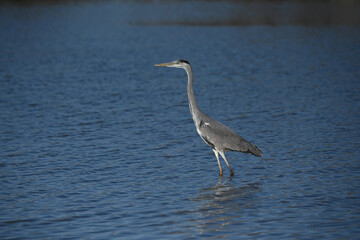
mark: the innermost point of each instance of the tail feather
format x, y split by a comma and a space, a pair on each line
254, 150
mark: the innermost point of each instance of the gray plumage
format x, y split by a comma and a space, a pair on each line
215, 134
222, 138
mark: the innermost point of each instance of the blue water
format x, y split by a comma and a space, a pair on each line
96, 142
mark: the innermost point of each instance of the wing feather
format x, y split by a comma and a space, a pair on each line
221, 137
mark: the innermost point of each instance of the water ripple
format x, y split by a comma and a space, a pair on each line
97, 143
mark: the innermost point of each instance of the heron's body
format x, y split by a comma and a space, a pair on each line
215, 134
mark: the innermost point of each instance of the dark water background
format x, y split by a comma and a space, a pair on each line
96, 142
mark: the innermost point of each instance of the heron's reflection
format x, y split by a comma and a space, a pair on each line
222, 205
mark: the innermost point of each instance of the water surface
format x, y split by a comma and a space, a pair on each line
98, 143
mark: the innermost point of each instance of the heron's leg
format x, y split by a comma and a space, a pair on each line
217, 157
223, 156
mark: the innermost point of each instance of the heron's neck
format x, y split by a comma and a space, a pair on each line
194, 108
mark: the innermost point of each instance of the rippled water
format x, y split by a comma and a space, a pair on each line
98, 143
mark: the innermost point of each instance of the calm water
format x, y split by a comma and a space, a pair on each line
98, 143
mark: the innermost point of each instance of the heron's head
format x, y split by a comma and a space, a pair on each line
181, 63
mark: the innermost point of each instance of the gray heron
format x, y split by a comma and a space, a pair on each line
215, 134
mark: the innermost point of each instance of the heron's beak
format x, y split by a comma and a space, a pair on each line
163, 64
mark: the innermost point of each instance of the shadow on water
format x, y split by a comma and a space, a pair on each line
222, 206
